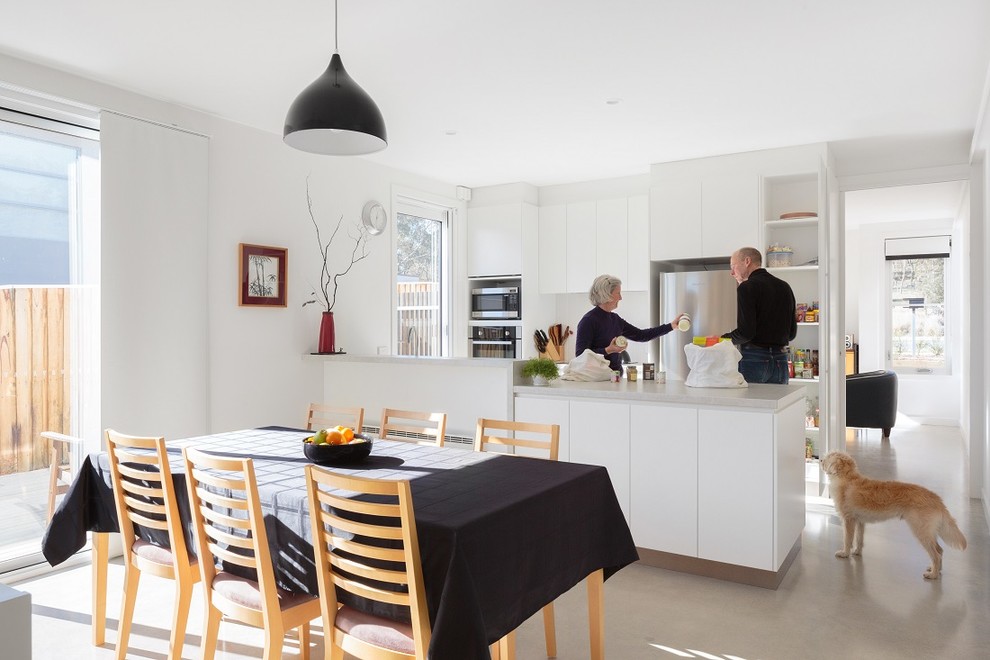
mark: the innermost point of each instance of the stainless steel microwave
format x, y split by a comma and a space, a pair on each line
495, 303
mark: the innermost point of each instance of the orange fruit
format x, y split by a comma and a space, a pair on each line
348, 434
335, 437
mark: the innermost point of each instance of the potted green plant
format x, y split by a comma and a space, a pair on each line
541, 370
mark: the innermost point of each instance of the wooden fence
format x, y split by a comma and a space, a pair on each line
34, 368
419, 318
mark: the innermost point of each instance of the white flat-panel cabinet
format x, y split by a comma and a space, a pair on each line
675, 219
495, 240
582, 240
599, 435
582, 246
730, 213
664, 478
538, 410
638, 244
553, 249
612, 228
720, 483
736, 455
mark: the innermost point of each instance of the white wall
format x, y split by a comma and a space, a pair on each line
258, 195
257, 190
925, 399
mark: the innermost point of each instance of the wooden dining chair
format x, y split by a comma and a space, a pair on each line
144, 495
62, 466
358, 524
533, 439
321, 416
230, 529
423, 428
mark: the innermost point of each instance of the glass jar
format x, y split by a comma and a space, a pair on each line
631, 373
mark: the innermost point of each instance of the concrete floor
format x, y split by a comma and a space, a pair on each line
876, 606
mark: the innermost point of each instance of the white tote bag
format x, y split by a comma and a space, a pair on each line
589, 366
714, 366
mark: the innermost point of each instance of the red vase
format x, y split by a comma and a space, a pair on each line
327, 342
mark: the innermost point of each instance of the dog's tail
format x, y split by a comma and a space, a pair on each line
950, 533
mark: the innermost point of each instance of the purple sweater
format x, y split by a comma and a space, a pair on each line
598, 328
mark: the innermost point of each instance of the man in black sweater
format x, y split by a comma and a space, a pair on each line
765, 319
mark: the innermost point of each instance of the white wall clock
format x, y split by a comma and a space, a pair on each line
374, 217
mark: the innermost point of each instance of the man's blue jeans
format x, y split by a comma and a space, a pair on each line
763, 365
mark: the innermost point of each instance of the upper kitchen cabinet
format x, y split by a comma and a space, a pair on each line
612, 238
581, 240
638, 245
675, 219
582, 246
730, 213
703, 215
553, 248
495, 240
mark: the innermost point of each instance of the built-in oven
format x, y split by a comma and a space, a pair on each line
500, 302
495, 341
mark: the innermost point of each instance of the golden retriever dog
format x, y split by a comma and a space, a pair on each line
860, 500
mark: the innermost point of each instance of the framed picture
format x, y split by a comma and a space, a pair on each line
263, 275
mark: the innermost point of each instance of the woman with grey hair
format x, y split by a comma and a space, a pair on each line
601, 327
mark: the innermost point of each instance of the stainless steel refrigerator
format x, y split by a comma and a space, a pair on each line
708, 294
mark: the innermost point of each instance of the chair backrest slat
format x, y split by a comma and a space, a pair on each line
229, 522
544, 437
321, 416
417, 423
351, 537
144, 493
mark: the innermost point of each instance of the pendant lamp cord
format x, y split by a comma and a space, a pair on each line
335, 23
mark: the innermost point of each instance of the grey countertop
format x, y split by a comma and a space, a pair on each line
772, 397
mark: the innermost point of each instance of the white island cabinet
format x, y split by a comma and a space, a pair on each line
711, 480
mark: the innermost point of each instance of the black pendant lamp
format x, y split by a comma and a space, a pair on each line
334, 115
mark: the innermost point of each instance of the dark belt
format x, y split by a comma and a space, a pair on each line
766, 346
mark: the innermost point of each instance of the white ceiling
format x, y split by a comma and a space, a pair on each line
524, 83
930, 201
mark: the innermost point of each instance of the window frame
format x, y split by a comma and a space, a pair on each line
947, 297
443, 210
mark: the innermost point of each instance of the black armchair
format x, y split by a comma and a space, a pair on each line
871, 400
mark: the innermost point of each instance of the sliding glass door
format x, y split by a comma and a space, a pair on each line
49, 319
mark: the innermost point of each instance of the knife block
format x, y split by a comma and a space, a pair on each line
555, 353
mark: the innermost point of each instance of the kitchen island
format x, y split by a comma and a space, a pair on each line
711, 480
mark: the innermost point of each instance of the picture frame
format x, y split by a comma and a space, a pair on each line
263, 271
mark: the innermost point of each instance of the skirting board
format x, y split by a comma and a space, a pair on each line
718, 570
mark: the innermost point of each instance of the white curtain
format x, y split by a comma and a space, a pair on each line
155, 212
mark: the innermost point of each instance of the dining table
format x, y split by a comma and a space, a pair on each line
499, 536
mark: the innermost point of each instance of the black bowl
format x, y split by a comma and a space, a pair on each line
352, 452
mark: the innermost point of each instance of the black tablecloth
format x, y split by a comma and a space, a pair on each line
499, 536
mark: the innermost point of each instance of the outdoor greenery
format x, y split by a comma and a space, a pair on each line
417, 248
918, 312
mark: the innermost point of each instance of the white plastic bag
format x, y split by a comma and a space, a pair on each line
589, 366
714, 366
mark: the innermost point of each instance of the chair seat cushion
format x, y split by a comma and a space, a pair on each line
375, 630
155, 553
247, 593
